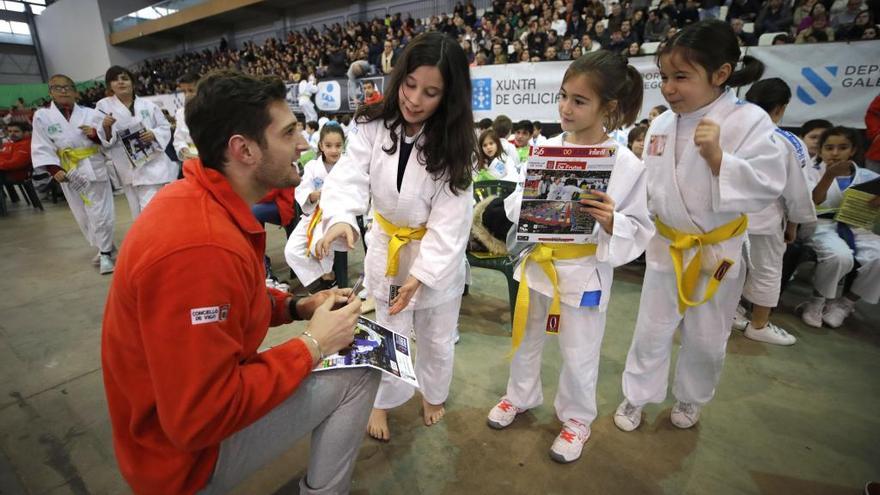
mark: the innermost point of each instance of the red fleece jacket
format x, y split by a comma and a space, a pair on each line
187, 310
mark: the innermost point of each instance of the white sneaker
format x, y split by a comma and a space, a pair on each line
770, 334
105, 264
570, 442
837, 310
97, 259
627, 417
503, 414
739, 318
685, 414
812, 311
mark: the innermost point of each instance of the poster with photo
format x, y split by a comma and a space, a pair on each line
377, 347
557, 178
138, 150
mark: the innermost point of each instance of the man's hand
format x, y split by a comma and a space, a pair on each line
334, 329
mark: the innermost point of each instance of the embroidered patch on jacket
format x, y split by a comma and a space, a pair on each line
211, 314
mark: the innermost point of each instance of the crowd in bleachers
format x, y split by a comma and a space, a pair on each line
521, 31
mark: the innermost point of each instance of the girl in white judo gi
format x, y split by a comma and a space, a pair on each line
837, 245
711, 160
599, 92
139, 183
65, 142
307, 88
183, 143
412, 157
492, 162
775, 226
300, 252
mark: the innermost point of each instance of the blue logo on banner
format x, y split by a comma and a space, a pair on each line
817, 84
482, 94
329, 97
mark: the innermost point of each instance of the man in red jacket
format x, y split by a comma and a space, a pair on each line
15, 156
194, 406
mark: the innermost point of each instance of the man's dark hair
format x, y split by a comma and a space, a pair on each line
229, 103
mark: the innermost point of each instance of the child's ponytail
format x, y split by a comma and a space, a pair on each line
752, 69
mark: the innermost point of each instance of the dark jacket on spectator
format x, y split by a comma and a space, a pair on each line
747, 10
770, 21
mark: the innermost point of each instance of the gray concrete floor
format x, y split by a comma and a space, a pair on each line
798, 420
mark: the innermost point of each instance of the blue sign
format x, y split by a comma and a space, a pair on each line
482, 94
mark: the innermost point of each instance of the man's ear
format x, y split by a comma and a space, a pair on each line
241, 149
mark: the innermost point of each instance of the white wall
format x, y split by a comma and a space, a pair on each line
73, 40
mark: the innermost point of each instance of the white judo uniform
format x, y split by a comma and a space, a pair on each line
683, 193
299, 255
366, 172
834, 258
182, 140
92, 207
767, 227
307, 88
581, 327
142, 183
504, 167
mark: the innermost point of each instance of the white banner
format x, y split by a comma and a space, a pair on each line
834, 81
169, 102
530, 90
831, 81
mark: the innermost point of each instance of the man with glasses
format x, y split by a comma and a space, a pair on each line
65, 143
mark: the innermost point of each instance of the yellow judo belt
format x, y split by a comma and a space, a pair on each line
544, 254
400, 236
70, 158
310, 231
679, 242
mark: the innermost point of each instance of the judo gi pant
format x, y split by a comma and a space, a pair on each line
704, 333
332, 406
96, 219
139, 196
763, 282
580, 340
834, 260
307, 268
434, 330
308, 110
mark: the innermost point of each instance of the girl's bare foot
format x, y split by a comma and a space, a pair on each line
377, 426
432, 413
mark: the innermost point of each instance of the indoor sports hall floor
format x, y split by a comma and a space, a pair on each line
798, 420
